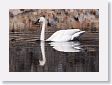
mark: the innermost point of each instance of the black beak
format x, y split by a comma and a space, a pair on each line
37, 22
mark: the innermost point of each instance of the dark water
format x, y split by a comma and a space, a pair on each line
37, 56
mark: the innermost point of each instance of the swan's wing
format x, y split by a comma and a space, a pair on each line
56, 36
63, 35
71, 31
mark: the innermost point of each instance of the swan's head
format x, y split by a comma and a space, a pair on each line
41, 20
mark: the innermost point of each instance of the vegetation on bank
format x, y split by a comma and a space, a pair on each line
23, 19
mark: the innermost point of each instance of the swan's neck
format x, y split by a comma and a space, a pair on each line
42, 32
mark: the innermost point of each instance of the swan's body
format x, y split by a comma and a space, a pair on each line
61, 35
65, 35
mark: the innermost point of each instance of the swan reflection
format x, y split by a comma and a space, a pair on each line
66, 46
59, 46
43, 61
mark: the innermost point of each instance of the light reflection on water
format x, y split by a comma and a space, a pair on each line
66, 46
43, 56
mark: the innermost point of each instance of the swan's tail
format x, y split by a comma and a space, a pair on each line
77, 35
81, 32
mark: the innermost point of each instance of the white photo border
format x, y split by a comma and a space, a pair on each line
102, 75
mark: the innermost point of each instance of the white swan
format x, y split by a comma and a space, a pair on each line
61, 35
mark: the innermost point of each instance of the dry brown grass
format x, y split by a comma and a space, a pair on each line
63, 19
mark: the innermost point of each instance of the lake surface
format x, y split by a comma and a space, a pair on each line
30, 55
